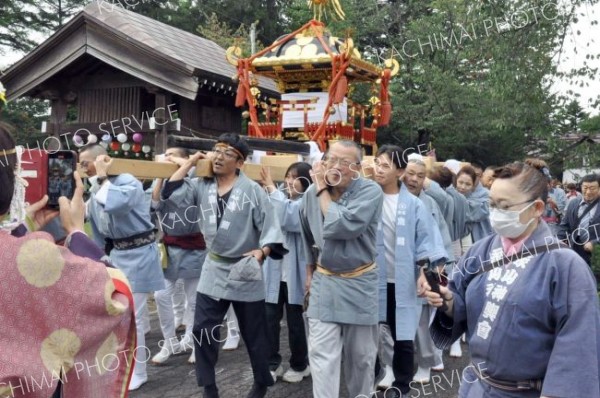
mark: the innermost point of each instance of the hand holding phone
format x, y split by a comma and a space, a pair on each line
40, 214
72, 211
434, 279
60, 182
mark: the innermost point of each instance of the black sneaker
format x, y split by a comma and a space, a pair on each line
258, 391
211, 391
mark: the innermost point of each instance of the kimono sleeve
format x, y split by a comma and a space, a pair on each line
98, 237
306, 234
445, 234
287, 210
443, 200
177, 218
267, 222
349, 222
429, 244
573, 369
446, 330
81, 245
121, 195
476, 207
182, 193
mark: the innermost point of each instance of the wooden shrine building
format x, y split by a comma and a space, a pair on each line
115, 69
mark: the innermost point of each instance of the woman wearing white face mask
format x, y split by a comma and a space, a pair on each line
528, 306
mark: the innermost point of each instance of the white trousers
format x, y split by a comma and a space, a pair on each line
179, 299
327, 343
164, 306
140, 305
146, 319
386, 345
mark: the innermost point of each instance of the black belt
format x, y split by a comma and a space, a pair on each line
505, 385
131, 242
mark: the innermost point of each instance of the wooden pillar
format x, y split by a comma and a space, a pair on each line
161, 100
58, 120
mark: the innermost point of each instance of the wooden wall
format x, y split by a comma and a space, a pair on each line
210, 113
106, 104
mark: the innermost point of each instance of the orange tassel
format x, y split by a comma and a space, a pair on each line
341, 90
386, 113
240, 97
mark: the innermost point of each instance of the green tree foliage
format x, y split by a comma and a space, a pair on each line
16, 19
183, 14
475, 77
581, 150
590, 125
573, 115
55, 13
221, 33
26, 116
270, 15
20, 18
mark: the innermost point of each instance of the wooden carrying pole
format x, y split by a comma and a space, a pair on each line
144, 169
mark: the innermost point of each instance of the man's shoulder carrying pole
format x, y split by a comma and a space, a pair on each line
145, 169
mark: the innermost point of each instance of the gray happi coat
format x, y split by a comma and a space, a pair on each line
345, 239
123, 212
248, 223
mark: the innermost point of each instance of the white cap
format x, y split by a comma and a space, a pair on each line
453, 165
414, 156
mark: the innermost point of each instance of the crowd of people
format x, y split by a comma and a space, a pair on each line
346, 249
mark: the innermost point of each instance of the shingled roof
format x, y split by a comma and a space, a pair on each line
109, 32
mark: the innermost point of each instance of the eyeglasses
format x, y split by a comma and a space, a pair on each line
507, 207
226, 154
331, 160
589, 188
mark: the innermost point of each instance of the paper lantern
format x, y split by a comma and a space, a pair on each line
136, 148
92, 139
146, 149
77, 140
122, 137
104, 144
114, 146
126, 146
138, 137
106, 138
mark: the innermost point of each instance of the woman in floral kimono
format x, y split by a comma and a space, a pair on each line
68, 326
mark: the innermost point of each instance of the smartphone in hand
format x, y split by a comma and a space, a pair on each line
60, 182
434, 279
